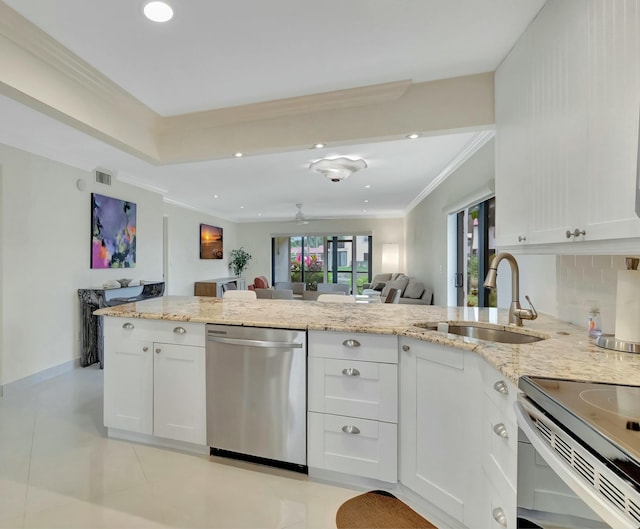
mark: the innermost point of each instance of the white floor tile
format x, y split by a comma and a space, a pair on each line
58, 469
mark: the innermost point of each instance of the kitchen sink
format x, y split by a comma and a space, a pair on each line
490, 334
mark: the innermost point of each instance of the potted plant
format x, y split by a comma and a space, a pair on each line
239, 260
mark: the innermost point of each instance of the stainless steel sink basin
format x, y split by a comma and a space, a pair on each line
490, 334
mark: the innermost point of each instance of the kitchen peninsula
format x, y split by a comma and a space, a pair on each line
567, 353
434, 422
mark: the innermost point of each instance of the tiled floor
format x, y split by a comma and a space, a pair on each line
58, 469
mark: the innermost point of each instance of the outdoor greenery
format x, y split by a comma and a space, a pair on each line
239, 261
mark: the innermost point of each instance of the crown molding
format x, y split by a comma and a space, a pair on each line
335, 100
28, 37
139, 183
478, 140
198, 210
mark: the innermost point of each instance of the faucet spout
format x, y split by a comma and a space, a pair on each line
516, 313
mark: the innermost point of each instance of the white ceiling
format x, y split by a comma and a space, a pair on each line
216, 54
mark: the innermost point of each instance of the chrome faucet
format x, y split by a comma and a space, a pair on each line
516, 313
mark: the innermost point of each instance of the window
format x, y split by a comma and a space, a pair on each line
314, 259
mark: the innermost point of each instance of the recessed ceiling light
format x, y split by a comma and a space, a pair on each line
413, 136
366, 201
259, 214
238, 154
241, 207
364, 211
215, 196
367, 186
158, 11
319, 146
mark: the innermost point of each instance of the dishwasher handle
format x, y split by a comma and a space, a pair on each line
256, 343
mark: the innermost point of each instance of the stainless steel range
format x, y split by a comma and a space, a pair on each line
589, 434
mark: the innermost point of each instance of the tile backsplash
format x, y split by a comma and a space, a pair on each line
585, 282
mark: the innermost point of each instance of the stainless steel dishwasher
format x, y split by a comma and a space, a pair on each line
256, 394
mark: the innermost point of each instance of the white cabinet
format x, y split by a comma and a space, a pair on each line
353, 404
567, 103
434, 461
458, 438
154, 378
499, 438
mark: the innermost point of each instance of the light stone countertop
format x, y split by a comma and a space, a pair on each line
566, 353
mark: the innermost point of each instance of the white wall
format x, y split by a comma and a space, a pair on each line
426, 224
185, 265
46, 242
256, 238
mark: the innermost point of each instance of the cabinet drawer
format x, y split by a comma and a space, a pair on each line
368, 390
500, 443
370, 453
354, 346
500, 390
175, 332
499, 507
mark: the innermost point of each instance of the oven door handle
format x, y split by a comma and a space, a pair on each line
610, 515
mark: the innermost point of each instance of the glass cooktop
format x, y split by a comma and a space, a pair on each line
603, 417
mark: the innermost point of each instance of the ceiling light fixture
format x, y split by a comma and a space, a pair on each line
238, 154
337, 169
413, 136
215, 196
368, 186
319, 146
158, 11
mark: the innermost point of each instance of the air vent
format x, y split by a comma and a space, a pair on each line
103, 178
602, 480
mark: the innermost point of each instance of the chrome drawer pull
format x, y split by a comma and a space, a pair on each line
145, 349
501, 430
351, 343
350, 429
180, 330
127, 326
158, 351
499, 516
405, 348
501, 387
351, 372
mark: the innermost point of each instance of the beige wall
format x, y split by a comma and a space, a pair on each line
426, 224
256, 238
183, 247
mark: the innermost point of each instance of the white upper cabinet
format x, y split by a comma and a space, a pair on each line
567, 103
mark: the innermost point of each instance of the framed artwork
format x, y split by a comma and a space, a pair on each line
113, 232
210, 242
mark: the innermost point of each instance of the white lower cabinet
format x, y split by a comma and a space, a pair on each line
155, 387
432, 428
458, 442
353, 404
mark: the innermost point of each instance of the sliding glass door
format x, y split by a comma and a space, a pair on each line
475, 249
313, 259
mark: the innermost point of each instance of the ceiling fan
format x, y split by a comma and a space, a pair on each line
300, 218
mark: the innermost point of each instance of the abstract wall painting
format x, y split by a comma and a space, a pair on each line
113, 232
210, 242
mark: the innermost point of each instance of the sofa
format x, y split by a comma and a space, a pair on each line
413, 292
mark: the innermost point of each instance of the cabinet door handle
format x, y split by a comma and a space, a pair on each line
405, 348
145, 349
351, 343
501, 430
127, 326
158, 351
351, 372
521, 238
575, 233
499, 516
501, 387
180, 330
350, 429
